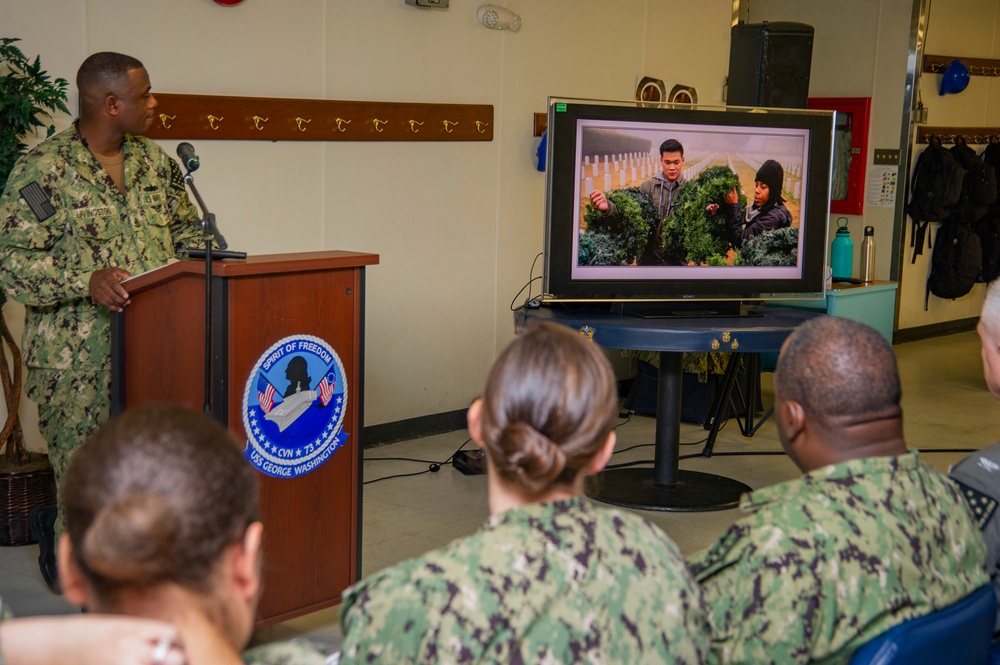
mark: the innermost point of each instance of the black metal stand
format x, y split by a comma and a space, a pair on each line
211, 235
724, 398
665, 487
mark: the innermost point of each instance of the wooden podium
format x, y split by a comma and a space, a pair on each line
312, 522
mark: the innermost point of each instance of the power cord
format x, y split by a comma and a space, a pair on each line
433, 466
529, 301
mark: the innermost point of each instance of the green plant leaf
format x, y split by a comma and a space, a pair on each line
28, 98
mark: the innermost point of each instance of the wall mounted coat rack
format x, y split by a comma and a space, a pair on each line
972, 135
936, 64
278, 119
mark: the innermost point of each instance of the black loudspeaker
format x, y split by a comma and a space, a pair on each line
769, 65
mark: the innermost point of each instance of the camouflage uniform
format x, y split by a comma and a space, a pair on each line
826, 562
291, 652
559, 582
48, 257
5, 614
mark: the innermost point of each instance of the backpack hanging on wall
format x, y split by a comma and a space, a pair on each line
956, 261
988, 226
979, 186
934, 190
988, 230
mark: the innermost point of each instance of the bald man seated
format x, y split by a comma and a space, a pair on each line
868, 537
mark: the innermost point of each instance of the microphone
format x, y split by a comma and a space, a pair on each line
189, 160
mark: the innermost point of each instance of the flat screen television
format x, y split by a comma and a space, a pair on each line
611, 146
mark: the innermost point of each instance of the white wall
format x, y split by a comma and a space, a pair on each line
457, 225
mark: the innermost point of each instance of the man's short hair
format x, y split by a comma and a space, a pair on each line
837, 367
102, 71
671, 145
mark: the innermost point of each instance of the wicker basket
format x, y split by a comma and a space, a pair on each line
20, 493
26, 480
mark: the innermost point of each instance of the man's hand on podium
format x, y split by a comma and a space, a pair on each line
106, 290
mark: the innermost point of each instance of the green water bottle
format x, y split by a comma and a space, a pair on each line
842, 251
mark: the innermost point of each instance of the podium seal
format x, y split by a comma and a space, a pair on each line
293, 407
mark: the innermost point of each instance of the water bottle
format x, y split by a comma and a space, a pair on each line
868, 255
842, 251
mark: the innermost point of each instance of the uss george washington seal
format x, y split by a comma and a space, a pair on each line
293, 407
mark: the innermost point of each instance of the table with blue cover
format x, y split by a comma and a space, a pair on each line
665, 486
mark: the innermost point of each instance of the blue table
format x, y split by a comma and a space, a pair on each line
665, 487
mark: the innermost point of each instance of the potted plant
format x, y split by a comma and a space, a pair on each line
28, 96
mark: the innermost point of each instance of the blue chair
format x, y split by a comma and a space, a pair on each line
960, 633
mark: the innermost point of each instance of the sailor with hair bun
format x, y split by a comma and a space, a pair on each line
549, 577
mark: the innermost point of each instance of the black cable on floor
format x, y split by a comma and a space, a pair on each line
433, 468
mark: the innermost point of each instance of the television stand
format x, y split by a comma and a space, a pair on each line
665, 486
702, 309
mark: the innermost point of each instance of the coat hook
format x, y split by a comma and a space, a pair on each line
258, 122
480, 126
414, 124
163, 120
212, 119
340, 124
448, 124
301, 121
378, 124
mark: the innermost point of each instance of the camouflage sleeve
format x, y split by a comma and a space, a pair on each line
761, 596
5, 614
28, 273
384, 617
290, 652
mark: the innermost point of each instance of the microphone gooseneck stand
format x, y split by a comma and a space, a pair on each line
211, 234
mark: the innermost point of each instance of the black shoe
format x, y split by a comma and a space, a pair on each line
42, 523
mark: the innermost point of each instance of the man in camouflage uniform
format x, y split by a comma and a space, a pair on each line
82, 211
867, 538
978, 475
553, 582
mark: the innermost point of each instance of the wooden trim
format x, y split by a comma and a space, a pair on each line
276, 119
973, 135
540, 122
266, 264
413, 428
936, 64
917, 333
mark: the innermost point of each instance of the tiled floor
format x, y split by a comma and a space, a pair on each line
946, 407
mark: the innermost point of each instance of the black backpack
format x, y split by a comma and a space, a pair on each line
991, 155
979, 186
934, 190
988, 230
955, 263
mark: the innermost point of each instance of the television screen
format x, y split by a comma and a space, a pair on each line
669, 202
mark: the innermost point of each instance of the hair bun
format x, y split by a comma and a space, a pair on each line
132, 540
532, 459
